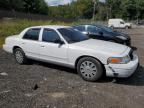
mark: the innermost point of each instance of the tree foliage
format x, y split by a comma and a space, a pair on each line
127, 9
31, 6
81, 9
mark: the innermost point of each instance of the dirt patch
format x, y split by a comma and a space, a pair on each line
57, 95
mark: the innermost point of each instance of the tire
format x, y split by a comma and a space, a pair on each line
89, 69
126, 27
20, 56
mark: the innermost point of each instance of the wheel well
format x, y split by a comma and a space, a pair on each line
91, 57
127, 26
104, 70
15, 47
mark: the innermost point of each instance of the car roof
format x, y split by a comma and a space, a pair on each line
97, 25
50, 26
90, 24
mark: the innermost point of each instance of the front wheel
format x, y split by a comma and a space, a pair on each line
20, 56
89, 69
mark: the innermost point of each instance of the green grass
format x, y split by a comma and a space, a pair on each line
12, 27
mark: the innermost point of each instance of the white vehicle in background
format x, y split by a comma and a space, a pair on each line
118, 23
65, 46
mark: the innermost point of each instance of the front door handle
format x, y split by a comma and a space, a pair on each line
42, 46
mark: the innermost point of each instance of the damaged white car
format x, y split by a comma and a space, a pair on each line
65, 46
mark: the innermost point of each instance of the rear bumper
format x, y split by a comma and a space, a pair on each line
122, 70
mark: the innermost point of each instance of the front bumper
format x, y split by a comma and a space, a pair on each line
7, 48
122, 70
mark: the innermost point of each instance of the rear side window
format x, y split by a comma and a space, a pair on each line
32, 34
80, 28
50, 35
92, 29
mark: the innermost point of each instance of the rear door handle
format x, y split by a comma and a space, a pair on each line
23, 43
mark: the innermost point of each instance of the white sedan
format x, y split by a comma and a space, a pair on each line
65, 46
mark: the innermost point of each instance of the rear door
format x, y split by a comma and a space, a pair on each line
30, 42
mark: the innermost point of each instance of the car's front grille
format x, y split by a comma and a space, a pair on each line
131, 54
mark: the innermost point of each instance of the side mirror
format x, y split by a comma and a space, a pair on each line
121, 22
59, 41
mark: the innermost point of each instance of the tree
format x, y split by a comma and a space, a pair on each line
101, 12
11, 5
127, 9
4, 4
114, 8
30, 6
81, 9
35, 6
43, 7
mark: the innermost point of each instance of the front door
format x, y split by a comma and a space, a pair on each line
51, 49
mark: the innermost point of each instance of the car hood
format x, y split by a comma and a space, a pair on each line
129, 24
101, 46
116, 33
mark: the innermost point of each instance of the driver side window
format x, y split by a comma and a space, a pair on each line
50, 35
80, 28
121, 22
92, 29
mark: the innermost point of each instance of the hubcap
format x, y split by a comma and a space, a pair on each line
19, 56
88, 69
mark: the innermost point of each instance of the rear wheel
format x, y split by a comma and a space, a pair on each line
126, 27
89, 69
20, 56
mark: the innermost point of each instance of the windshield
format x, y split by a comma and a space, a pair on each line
71, 35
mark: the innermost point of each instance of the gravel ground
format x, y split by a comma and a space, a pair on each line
42, 85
